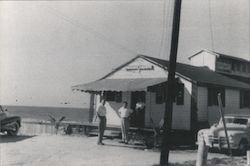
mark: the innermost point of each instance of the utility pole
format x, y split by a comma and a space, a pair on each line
167, 139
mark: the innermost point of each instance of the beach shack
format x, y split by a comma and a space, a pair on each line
144, 79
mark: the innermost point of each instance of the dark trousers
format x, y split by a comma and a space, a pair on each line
102, 126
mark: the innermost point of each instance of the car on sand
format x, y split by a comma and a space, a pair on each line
238, 129
9, 124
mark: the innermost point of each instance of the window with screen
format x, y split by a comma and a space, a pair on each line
160, 96
180, 94
244, 99
113, 96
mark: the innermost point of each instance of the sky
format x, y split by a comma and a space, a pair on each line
48, 46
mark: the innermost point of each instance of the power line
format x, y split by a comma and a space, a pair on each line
163, 28
88, 29
165, 25
169, 24
249, 29
211, 24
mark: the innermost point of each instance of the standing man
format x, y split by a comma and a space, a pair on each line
124, 115
101, 114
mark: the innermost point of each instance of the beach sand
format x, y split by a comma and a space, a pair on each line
63, 150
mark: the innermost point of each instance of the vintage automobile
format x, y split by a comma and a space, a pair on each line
238, 129
9, 124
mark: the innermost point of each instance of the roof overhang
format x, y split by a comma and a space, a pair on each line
137, 84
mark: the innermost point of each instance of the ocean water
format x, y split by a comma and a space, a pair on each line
41, 113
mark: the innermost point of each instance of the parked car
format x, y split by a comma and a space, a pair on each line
9, 124
238, 128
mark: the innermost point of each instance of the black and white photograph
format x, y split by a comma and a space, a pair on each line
125, 83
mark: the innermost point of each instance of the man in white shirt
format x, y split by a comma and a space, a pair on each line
124, 115
101, 114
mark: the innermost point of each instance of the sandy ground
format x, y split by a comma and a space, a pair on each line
61, 150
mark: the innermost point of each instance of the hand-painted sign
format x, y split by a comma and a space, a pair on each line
140, 67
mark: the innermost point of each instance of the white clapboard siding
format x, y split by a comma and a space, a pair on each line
204, 58
113, 107
233, 102
156, 111
232, 106
123, 73
213, 114
181, 113
232, 98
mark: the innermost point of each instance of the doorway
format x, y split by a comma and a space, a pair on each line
138, 106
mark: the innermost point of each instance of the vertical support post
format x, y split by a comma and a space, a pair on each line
248, 158
202, 153
91, 107
224, 123
166, 143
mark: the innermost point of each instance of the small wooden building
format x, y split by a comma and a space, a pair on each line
144, 79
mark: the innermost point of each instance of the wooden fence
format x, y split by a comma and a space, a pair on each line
32, 127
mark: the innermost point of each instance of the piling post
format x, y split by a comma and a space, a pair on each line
202, 153
248, 158
91, 107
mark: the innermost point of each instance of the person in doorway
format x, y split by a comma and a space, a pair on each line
140, 109
125, 112
140, 105
101, 114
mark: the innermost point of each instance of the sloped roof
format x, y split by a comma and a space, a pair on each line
238, 78
202, 75
217, 54
199, 75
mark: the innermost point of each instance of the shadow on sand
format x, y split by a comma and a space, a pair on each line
8, 139
131, 146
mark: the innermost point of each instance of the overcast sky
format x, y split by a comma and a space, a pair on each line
46, 47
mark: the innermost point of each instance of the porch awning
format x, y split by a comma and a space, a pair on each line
137, 84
